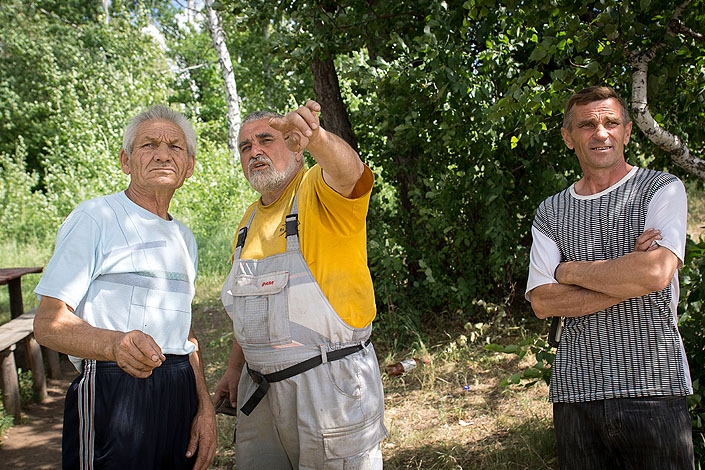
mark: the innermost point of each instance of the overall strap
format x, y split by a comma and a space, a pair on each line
292, 226
242, 235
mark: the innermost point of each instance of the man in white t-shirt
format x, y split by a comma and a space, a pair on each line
605, 258
116, 297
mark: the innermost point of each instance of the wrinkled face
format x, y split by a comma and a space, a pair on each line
268, 164
598, 134
159, 157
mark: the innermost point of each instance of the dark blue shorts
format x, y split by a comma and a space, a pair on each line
624, 433
113, 420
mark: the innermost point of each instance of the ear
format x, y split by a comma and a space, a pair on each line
567, 138
191, 166
124, 162
628, 132
299, 155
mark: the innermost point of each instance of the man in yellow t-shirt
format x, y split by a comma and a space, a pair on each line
302, 302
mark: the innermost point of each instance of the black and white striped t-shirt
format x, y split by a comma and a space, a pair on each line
632, 349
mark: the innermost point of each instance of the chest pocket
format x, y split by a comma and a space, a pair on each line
261, 308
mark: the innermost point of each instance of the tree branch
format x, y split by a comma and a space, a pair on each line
672, 144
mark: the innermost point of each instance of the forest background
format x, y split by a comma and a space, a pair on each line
456, 105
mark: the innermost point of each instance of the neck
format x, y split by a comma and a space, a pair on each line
155, 202
594, 182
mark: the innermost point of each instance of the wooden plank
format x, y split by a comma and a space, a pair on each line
16, 329
8, 274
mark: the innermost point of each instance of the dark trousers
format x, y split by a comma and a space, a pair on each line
115, 421
624, 433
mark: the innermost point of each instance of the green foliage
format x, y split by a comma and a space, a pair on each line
6, 421
24, 213
692, 328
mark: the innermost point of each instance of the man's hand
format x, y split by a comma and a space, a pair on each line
647, 240
204, 437
137, 354
228, 385
299, 127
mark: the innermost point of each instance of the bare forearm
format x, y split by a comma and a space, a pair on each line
560, 300
71, 335
196, 361
633, 275
342, 167
237, 357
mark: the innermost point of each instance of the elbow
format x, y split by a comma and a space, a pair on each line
39, 331
658, 283
540, 313
659, 278
540, 310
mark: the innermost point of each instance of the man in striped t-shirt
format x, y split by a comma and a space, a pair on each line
605, 258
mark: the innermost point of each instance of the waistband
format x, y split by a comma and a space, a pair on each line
172, 361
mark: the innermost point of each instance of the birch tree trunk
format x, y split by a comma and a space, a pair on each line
226, 67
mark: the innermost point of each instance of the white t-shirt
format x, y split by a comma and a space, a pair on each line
123, 268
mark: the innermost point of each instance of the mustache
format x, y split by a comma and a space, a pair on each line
258, 159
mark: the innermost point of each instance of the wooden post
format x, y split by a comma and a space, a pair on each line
10, 384
53, 363
16, 303
36, 363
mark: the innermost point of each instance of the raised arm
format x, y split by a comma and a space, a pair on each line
342, 167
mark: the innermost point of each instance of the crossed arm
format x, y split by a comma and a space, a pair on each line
586, 287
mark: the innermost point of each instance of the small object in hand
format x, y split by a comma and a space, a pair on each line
224, 407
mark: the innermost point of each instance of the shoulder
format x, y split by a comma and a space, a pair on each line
313, 181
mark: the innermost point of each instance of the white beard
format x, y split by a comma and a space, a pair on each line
270, 180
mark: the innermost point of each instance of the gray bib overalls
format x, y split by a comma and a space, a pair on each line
321, 416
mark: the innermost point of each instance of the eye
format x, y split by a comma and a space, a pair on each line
245, 147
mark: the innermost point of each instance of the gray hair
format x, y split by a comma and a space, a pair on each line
155, 113
256, 116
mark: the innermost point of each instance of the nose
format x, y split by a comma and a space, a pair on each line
162, 153
601, 131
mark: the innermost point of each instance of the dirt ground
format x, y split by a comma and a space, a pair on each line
36, 442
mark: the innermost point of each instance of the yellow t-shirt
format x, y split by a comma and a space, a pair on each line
333, 238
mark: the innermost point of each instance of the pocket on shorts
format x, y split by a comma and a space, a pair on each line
261, 312
345, 442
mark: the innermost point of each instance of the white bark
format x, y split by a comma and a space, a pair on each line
672, 144
226, 68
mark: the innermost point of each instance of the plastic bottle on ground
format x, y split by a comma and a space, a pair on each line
402, 367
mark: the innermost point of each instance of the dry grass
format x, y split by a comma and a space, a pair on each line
451, 413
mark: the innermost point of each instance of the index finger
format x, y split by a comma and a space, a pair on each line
304, 119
